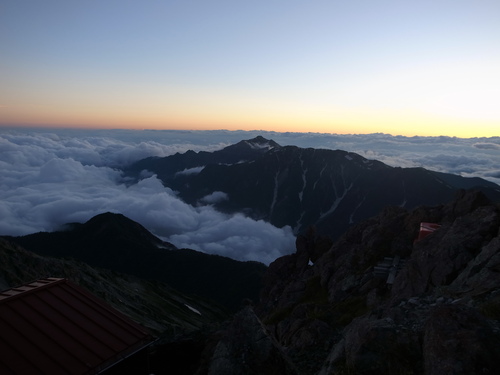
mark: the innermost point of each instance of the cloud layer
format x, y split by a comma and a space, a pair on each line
48, 181
51, 177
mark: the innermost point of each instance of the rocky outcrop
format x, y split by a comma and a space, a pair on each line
374, 346
246, 348
464, 239
460, 340
439, 314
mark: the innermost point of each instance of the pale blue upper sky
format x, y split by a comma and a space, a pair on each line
357, 66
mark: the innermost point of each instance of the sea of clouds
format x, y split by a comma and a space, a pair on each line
50, 177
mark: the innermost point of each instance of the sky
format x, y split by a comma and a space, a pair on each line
51, 177
400, 67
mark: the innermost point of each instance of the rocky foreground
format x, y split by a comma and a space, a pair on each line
324, 310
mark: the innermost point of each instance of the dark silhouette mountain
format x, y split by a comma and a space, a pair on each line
328, 189
179, 164
114, 242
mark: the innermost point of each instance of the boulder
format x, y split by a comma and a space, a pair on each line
246, 348
459, 340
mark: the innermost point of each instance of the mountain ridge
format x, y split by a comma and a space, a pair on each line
165, 306
302, 187
115, 242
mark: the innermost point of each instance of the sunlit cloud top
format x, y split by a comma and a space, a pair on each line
399, 67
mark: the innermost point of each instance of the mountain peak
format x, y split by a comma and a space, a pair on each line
260, 142
246, 150
117, 221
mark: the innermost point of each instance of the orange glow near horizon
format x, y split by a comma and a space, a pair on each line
381, 105
297, 119
412, 127
401, 68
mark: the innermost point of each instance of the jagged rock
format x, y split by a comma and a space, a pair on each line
442, 257
374, 327
374, 346
483, 273
361, 248
311, 246
465, 202
276, 280
459, 340
246, 348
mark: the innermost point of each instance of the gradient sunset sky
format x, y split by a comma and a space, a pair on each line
362, 66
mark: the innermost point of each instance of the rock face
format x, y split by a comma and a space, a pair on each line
459, 340
439, 315
246, 348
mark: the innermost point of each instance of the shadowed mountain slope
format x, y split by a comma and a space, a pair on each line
328, 189
117, 243
154, 304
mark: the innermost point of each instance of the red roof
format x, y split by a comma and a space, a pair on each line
426, 229
53, 326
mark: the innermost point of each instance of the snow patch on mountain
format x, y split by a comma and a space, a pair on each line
304, 180
275, 195
260, 145
351, 216
190, 171
193, 309
339, 197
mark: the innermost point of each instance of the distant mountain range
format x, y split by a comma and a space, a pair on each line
302, 187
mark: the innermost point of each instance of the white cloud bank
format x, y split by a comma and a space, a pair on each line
48, 181
51, 177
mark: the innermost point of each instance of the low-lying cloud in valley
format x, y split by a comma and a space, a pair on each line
49, 181
52, 177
